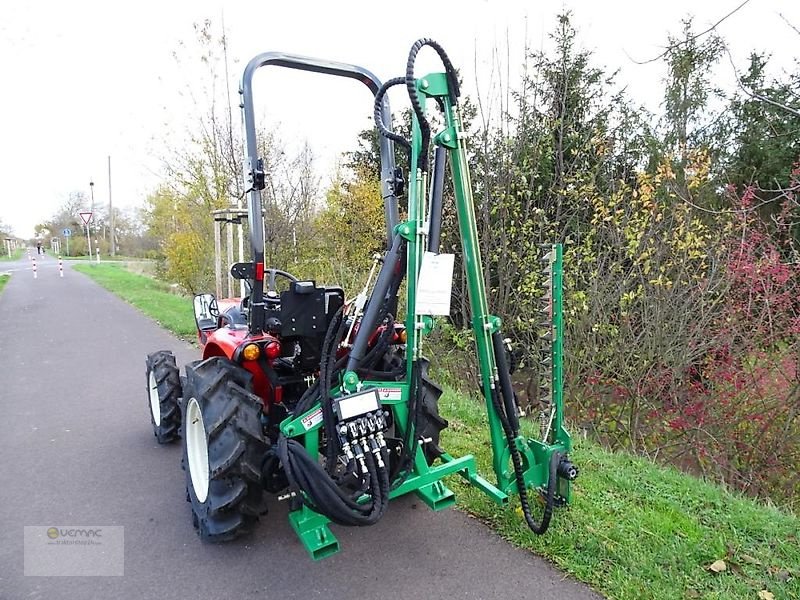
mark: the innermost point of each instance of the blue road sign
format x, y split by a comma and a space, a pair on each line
66, 232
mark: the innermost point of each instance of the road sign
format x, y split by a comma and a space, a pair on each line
86, 216
66, 232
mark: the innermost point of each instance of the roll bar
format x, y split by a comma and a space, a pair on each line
254, 166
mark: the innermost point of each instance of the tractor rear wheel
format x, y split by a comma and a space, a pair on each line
223, 449
163, 393
429, 422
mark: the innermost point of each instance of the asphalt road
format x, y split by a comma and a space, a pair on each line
76, 448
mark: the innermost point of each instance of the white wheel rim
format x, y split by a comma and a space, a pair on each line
155, 400
197, 449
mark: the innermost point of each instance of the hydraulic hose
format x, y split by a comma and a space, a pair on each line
308, 398
324, 496
411, 85
313, 482
333, 336
382, 127
386, 287
382, 344
435, 200
504, 374
519, 474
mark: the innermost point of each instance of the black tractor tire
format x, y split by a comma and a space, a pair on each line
429, 422
164, 391
225, 486
182, 402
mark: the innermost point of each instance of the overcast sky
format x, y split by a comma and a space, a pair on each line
84, 80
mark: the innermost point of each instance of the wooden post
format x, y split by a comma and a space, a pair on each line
229, 228
217, 258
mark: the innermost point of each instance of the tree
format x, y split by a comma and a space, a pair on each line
66, 217
202, 172
762, 126
687, 125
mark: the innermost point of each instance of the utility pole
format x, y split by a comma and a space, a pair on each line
91, 209
111, 212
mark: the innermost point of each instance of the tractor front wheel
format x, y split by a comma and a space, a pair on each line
163, 393
223, 449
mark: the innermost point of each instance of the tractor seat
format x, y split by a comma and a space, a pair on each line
233, 317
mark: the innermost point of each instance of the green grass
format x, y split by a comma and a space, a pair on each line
638, 531
634, 531
105, 258
152, 297
3, 281
16, 254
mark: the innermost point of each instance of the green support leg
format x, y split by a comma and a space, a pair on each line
312, 529
470, 473
436, 495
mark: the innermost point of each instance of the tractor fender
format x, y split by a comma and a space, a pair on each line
224, 342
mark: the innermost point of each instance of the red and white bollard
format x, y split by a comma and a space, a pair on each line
60, 267
35, 276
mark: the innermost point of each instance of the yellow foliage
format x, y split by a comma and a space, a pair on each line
351, 229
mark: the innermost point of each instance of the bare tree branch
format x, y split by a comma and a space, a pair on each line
756, 95
691, 39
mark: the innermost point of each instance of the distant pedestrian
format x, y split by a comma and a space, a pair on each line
38, 247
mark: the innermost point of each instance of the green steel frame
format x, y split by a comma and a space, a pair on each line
424, 480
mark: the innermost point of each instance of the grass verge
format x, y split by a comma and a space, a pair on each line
15, 255
3, 281
638, 531
634, 531
152, 297
105, 258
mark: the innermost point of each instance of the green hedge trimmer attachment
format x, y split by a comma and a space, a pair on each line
360, 410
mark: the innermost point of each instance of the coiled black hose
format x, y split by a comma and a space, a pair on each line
452, 80
333, 337
308, 398
382, 127
323, 495
519, 474
311, 481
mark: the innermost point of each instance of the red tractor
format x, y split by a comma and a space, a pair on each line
231, 402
